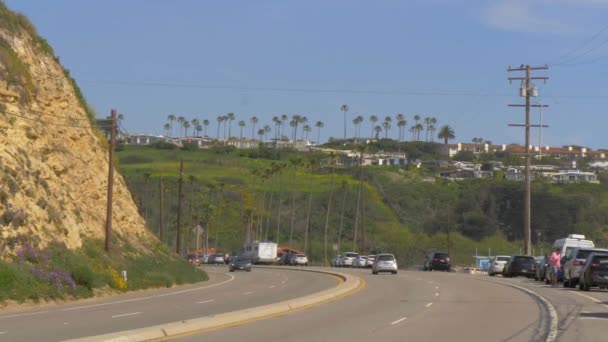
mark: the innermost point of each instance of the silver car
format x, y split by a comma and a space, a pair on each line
370, 261
348, 258
384, 263
497, 264
574, 262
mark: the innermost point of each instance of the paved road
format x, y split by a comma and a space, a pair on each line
224, 292
420, 306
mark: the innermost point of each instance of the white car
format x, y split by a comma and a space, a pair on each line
348, 258
360, 261
335, 261
300, 260
497, 264
370, 260
385, 263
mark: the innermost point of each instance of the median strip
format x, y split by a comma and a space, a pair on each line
348, 285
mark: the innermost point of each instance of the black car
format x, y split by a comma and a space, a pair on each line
437, 261
520, 265
595, 272
288, 259
239, 263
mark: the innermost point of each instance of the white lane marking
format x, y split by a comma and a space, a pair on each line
65, 323
429, 304
148, 297
2, 332
591, 298
436, 287
271, 287
127, 314
205, 301
437, 294
25, 314
596, 318
399, 320
248, 293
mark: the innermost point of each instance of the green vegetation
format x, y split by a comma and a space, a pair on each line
55, 272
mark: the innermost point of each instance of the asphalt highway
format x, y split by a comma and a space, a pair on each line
224, 292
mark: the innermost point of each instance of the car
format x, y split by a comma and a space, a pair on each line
595, 272
204, 258
347, 259
335, 261
566, 245
237, 263
193, 259
519, 265
541, 269
370, 261
300, 260
360, 261
574, 262
385, 263
437, 261
216, 259
497, 264
286, 259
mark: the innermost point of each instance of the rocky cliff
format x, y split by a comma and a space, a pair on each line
53, 164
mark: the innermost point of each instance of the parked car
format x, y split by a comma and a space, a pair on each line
360, 261
497, 264
437, 261
300, 260
204, 258
574, 262
335, 261
370, 261
216, 259
541, 269
286, 259
239, 264
385, 263
193, 259
595, 272
519, 265
347, 259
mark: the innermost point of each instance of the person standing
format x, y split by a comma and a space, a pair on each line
555, 263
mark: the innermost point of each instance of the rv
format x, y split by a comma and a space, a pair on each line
261, 252
566, 245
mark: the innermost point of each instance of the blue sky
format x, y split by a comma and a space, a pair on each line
441, 58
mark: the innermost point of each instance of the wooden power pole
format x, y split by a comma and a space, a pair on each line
178, 237
527, 90
108, 240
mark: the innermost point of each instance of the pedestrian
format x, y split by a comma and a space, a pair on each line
555, 264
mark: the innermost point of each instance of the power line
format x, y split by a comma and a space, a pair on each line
563, 57
50, 123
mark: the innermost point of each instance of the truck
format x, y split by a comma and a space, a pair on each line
567, 244
261, 252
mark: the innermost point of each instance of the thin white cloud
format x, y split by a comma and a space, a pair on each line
517, 15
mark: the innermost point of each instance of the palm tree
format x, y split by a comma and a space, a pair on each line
284, 118
319, 125
419, 129
195, 123
357, 122
387, 125
167, 127
230, 117
307, 129
186, 126
378, 130
400, 117
416, 118
241, 125
295, 121
225, 119
427, 124
344, 108
267, 130
446, 133
219, 124
373, 119
413, 131
401, 124
181, 121
432, 128
171, 118
277, 126
332, 158
205, 123
261, 133
303, 121
254, 121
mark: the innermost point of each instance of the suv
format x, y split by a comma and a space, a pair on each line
574, 262
216, 259
384, 263
520, 265
347, 259
437, 261
595, 272
497, 264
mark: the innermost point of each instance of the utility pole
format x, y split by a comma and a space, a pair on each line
178, 237
527, 90
110, 182
162, 211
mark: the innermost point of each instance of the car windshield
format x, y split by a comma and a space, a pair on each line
301, 256
441, 256
351, 255
386, 258
502, 258
583, 253
523, 259
243, 260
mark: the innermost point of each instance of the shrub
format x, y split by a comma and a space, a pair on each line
163, 145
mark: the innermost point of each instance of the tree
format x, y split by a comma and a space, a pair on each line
446, 133
295, 121
261, 133
167, 127
344, 109
277, 126
306, 129
195, 123
219, 124
198, 128
254, 121
181, 121
373, 119
171, 118
312, 165
419, 129
230, 117
387, 125
427, 124
401, 124
186, 125
319, 125
267, 130
357, 123
432, 128
377, 129
205, 123
284, 118
241, 125
225, 119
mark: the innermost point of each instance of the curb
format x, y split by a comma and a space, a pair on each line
349, 284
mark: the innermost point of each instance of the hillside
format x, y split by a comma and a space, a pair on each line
53, 171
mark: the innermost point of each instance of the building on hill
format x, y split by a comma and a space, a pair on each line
552, 175
144, 139
466, 174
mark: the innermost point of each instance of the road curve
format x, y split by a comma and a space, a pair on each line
224, 292
427, 306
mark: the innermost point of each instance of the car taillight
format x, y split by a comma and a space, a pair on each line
435, 259
595, 265
447, 259
578, 263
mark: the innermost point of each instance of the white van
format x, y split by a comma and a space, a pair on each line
566, 245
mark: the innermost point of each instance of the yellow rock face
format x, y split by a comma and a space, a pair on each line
53, 177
